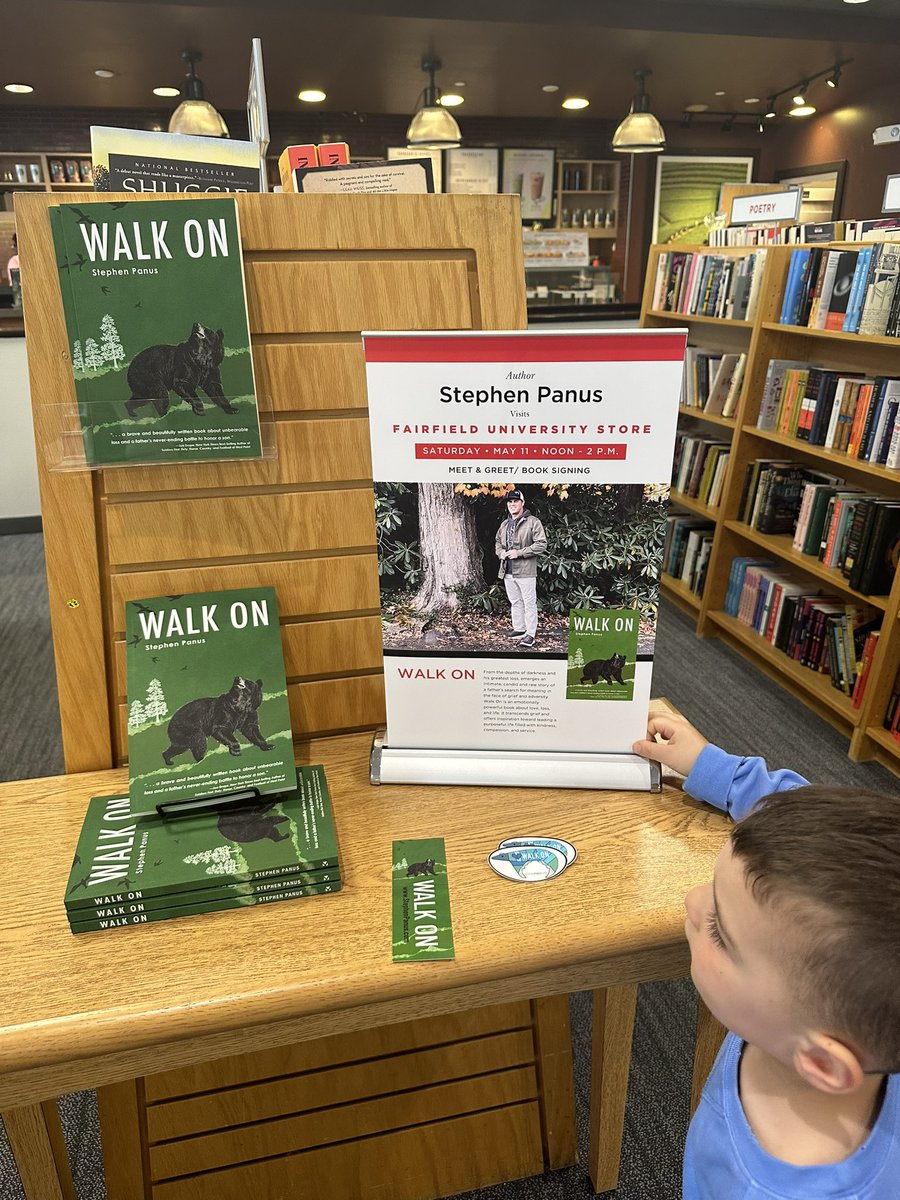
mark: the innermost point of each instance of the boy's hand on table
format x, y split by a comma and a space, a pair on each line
681, 744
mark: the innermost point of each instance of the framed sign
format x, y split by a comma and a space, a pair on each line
823, 187
686, 189
436, 156
530, 174
891, 201
473, 171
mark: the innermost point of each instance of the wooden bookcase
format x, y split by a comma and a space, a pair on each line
764, 339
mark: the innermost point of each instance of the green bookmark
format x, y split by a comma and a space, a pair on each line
421, 901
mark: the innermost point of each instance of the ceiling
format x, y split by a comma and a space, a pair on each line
503, 51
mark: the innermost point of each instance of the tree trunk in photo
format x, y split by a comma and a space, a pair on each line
628, 498
450, 554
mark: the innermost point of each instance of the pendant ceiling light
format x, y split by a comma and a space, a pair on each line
195, 114
640, 132
432, 127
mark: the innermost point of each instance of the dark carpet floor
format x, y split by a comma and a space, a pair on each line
733, 705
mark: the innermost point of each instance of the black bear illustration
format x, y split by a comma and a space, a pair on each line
421, 868
217, 717
252, 824
182, 369
607, 669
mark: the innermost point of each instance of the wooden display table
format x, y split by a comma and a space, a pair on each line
108, 1009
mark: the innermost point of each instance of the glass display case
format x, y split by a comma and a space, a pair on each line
566, 286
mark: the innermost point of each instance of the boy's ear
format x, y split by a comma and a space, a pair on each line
828, 1064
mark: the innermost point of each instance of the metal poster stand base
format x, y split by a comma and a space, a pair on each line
512, 768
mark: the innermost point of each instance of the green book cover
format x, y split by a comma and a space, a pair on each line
156, 315
119, 855
113, 919
83, 910
207, 698
602, 653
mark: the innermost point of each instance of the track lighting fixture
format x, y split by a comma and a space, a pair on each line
728, 123
798, 90
800, 95
835, 78
770, 108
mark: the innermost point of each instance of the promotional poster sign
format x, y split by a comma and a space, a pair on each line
521, 490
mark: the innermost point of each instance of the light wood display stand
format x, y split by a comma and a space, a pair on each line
318, 271
764, 339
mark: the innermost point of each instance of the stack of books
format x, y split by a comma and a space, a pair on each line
874, 230
708, 285
130, 869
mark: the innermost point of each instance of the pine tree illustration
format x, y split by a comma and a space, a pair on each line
77, 359
136, 715
155, 708
92, 356
110, 343
579, 658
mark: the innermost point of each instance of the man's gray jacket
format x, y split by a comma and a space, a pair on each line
525, 535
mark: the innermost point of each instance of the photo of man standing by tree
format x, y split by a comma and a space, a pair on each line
453, 579
520, 539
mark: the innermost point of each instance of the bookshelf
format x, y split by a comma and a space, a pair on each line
763, 338
592, 186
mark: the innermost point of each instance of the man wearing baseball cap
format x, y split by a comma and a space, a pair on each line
520, 539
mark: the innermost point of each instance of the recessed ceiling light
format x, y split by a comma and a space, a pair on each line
752, 100
166, 91
856, 1
550, 87
460, 83
104, 73
803, 110
311, 95
449, 100
720, 93
18, 87
575, 102
696, 108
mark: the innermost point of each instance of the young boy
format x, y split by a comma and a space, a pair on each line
795, 948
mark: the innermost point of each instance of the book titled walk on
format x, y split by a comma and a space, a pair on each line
133, 869
207, 698
156, 316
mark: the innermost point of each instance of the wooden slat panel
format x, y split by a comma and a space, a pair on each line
326, 706
341, 1048
553, 1043
315, 1090
236, 526
439, 1159
303, 376
317, 451
303, 586
360, 1119
348, 296
313, 648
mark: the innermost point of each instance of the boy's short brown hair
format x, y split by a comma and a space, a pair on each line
830, 859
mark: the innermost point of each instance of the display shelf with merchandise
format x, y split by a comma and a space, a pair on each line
587, 197
765, 340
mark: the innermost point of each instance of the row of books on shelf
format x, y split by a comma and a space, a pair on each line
688, 545
708, 285
892, 714
699, 468
847, 412
845, 291
711, 381
877, 229
845, 528
821, 632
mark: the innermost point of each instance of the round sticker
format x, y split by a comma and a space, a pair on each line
527, 864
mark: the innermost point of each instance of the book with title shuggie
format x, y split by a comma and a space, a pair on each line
140, 160
207, 697
156, 316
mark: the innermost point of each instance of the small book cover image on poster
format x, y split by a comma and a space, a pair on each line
603, 646
156, 315
142, 160
207, 697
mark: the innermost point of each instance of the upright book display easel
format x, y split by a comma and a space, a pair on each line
318, 270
